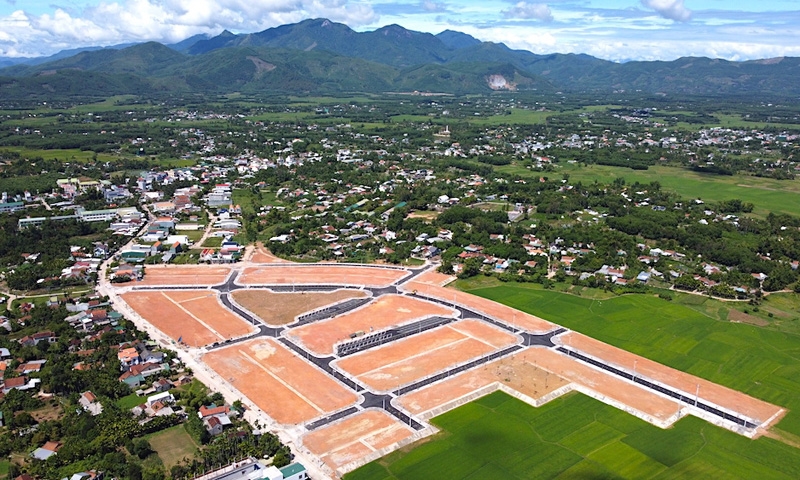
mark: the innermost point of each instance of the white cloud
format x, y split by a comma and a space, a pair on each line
529, 11
167, 21
671, 9
431, 6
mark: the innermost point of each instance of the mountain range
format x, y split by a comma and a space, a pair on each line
321, 56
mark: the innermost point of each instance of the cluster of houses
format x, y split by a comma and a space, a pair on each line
21, 379
139, 361
254, 469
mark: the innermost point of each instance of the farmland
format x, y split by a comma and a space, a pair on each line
768, 195
577, 437
173, 445
758, 361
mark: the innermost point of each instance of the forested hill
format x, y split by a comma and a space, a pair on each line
321, 56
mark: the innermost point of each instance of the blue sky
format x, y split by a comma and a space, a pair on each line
618, 30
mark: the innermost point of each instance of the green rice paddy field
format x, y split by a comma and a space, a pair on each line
766, 194
577, 437
761, 362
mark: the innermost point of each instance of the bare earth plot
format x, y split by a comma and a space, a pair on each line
517, 371
283, 308
385, 312
402, 362
712, 392
320, 274
194, 316
197, 275
506, 314
286, 387
432, 277
611, 387
355, 437
263, 255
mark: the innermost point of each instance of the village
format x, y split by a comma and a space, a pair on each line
473, 201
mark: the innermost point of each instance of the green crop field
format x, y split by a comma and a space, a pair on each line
130, 401
766, 194
576, 436
173, 445
762, 362
67, 155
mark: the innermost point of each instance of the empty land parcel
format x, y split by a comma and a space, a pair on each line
578, 437
193, 317
283, 308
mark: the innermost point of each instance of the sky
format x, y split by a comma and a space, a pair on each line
617, 30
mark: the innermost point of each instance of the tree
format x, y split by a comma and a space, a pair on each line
471, 268
446, 267
687, 282
141, 448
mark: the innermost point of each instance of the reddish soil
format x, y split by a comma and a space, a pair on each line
204, 275
205, 305
712, 392
404, 361
178, 322
385, 312
516, 371
432, 277
263, 255
606, 384
283, 308
355, 437
320, 274
501, 312
285, 386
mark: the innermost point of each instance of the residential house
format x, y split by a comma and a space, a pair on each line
32, 340
90, 403
46, 451
162, 385
89, 475
214, 425
129, 357
150, 356
147, 369
215, 418
294, 471
31, 367
163, 397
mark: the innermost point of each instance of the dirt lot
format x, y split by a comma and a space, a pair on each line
355, 437
320, 274
506, 314
432, 277
204, 275
263, 255
399, 363
385, 312
285, 386
607, 385
194, 316
517, 371
736, 316
712, 392
283, 308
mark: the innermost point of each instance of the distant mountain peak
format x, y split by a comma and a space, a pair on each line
395, 30
457, 40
